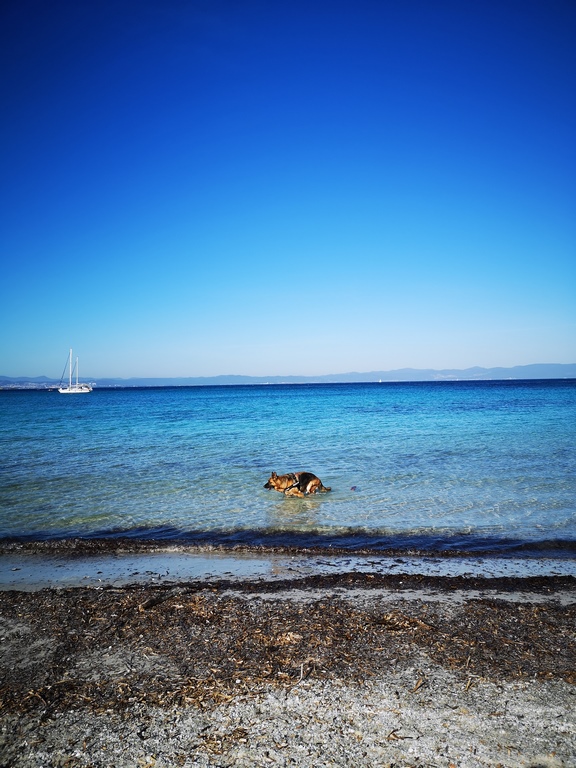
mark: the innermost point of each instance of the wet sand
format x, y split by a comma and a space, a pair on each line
105, 563
345, 668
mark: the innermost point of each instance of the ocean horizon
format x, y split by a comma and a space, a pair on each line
408, 375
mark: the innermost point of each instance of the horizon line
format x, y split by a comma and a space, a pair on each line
407, 374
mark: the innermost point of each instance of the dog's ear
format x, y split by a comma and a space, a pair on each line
274, 474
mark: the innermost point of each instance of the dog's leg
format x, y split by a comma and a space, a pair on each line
313, 486
293, 492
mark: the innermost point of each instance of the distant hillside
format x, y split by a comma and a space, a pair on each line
519, 372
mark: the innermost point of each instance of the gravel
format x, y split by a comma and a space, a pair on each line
335, 675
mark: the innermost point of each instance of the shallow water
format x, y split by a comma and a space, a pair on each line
463, 466
32, 571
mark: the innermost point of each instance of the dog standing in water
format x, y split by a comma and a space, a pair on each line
295, 484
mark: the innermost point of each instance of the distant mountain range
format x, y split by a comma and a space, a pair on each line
519, 372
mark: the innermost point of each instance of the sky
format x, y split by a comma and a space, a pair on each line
206, 187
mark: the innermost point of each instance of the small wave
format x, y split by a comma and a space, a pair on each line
358, 541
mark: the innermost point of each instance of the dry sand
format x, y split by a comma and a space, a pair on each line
350, 670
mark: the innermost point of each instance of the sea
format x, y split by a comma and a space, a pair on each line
448, 468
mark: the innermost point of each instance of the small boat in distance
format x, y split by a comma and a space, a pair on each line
73, 389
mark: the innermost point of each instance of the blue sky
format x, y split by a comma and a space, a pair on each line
288, 187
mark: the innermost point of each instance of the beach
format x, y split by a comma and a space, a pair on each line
348, 669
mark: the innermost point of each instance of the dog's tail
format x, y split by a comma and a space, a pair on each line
323, 488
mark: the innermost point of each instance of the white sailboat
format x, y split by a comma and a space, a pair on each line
73, 389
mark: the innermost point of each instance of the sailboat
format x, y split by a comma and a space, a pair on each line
73, 389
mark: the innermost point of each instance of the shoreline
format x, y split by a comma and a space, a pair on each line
356, 542
86, 563
343, 669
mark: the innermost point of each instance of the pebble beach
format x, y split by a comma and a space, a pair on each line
350, 669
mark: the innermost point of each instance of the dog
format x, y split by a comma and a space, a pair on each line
295, 484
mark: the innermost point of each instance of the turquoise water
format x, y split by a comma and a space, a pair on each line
462, 466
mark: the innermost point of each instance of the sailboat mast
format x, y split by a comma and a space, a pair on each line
70, 374
76, 371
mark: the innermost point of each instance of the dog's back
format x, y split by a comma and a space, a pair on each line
310, 483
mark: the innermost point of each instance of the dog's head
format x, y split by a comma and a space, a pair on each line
272, 482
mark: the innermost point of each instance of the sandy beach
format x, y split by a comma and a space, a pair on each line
350, 669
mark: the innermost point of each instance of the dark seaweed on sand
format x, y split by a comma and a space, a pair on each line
111, 648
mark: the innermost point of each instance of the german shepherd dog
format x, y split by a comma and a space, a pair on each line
295, 484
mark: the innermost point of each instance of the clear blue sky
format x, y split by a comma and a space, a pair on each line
278, 187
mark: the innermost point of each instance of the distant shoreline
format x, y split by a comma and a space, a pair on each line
535, 372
